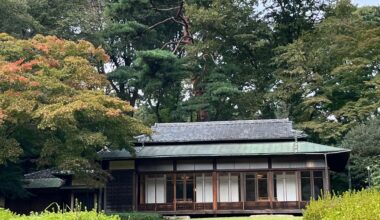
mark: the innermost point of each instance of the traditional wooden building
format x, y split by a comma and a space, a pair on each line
224, 167
49, 189
200, 168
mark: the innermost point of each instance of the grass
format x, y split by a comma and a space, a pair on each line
280, 217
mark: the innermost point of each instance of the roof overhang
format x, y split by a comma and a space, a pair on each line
337, 157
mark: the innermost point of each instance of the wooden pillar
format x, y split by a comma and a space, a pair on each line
100, 199
175, 191
95, 200
299, 189
214, 191
326, 182
72, 201
135, 191
270, 188
242, 188
105, 199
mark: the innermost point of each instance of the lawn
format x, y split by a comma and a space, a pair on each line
269, 217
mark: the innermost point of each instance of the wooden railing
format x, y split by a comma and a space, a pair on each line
178, 206
189, 206
259, 205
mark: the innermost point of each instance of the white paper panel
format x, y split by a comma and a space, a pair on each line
286, 186
160, 190
150, 190
291, 187
280, 186
223, 189
199, 187
234, 189
208, 189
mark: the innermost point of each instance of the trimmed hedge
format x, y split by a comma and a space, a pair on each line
139, 216
76, 215
359, 205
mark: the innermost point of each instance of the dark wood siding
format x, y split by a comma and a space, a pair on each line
119, 191
39, 201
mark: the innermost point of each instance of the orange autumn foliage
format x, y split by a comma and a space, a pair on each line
50, 86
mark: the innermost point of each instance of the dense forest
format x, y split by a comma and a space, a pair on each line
79, 75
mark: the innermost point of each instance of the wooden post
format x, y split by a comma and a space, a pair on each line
72, 201
299, 188
135, 190
100, 198
326, 182
95, 200
214, 191
242, 188
270, 188
175, 191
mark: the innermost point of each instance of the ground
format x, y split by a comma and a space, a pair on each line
280, 217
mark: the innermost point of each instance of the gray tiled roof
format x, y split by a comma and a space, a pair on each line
273, 129
47, 173
43, 179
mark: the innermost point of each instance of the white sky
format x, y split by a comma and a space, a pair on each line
366, 2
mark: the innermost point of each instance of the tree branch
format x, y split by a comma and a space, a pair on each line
114, 87
158, 23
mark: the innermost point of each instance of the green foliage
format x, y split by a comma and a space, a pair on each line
15, 18
290, 18
52, 107
326, 80
75, 215
364, 142
231, 53
135, 26
76, 19
161, 75
139, 216
351, 206
11, 185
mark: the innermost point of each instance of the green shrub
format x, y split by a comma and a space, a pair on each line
360, 205
5, 214
74, 215
139, 216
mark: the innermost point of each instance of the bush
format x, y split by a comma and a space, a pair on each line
359, 205
75, 215
139, 216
